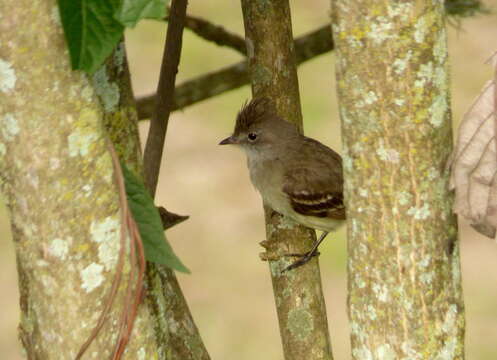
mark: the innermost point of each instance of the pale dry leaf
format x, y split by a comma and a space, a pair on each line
480, 180
474, 164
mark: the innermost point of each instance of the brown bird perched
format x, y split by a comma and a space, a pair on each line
296, 176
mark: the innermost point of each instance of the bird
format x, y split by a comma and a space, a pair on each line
296, 176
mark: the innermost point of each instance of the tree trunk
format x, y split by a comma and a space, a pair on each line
298, 293
405, 296
59, 184
176, 334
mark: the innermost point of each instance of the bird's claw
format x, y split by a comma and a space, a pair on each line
309, 254
304, 258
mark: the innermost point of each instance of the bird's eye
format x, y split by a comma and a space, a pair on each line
252, 136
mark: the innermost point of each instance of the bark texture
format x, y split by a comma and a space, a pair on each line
405, 297
112, 84
176, 334
58, 178
298, 293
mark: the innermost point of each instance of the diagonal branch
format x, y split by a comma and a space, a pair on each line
234, 76
215, 33
165, 92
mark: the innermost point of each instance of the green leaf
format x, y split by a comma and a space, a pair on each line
157, 249
132, 11
91, 31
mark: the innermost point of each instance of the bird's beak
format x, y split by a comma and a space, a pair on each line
228, 141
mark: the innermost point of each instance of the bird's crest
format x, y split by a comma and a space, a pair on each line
252, 112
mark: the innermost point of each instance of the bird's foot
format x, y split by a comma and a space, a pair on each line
304, 258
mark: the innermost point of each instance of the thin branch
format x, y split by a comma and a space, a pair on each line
232, 77
165, 92
215, 33
270, 31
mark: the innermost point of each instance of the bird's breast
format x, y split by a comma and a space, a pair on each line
267, 178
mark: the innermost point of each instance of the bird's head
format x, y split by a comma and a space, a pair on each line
259, 127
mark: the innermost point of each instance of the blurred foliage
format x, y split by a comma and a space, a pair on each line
465, 8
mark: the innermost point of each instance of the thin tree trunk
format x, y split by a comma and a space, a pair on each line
405, 296
298, 293
156, 137
175, 331
59, 182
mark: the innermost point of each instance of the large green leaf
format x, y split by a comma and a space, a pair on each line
132, 11
91, 31
146, 216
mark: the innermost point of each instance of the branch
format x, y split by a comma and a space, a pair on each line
298, 293
165, 92
214, 33
232, 77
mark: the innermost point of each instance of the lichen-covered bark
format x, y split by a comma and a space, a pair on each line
176, 334
175, 330
58, 179
405, 297
112, 84
298, 293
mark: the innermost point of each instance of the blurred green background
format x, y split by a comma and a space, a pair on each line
229, 291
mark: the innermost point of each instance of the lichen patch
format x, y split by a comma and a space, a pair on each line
59, 248
8, 76
388, 155
438, 109
91, 277
141, 353
381, 30
85, 134
300, 323
106, 234
385, 352
381, 292
400, 65
107, 91
419, 213
79, 142
55, 15
10, 127
362, 353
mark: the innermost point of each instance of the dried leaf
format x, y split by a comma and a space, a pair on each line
474, 164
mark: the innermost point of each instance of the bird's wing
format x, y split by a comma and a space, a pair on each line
315, 186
